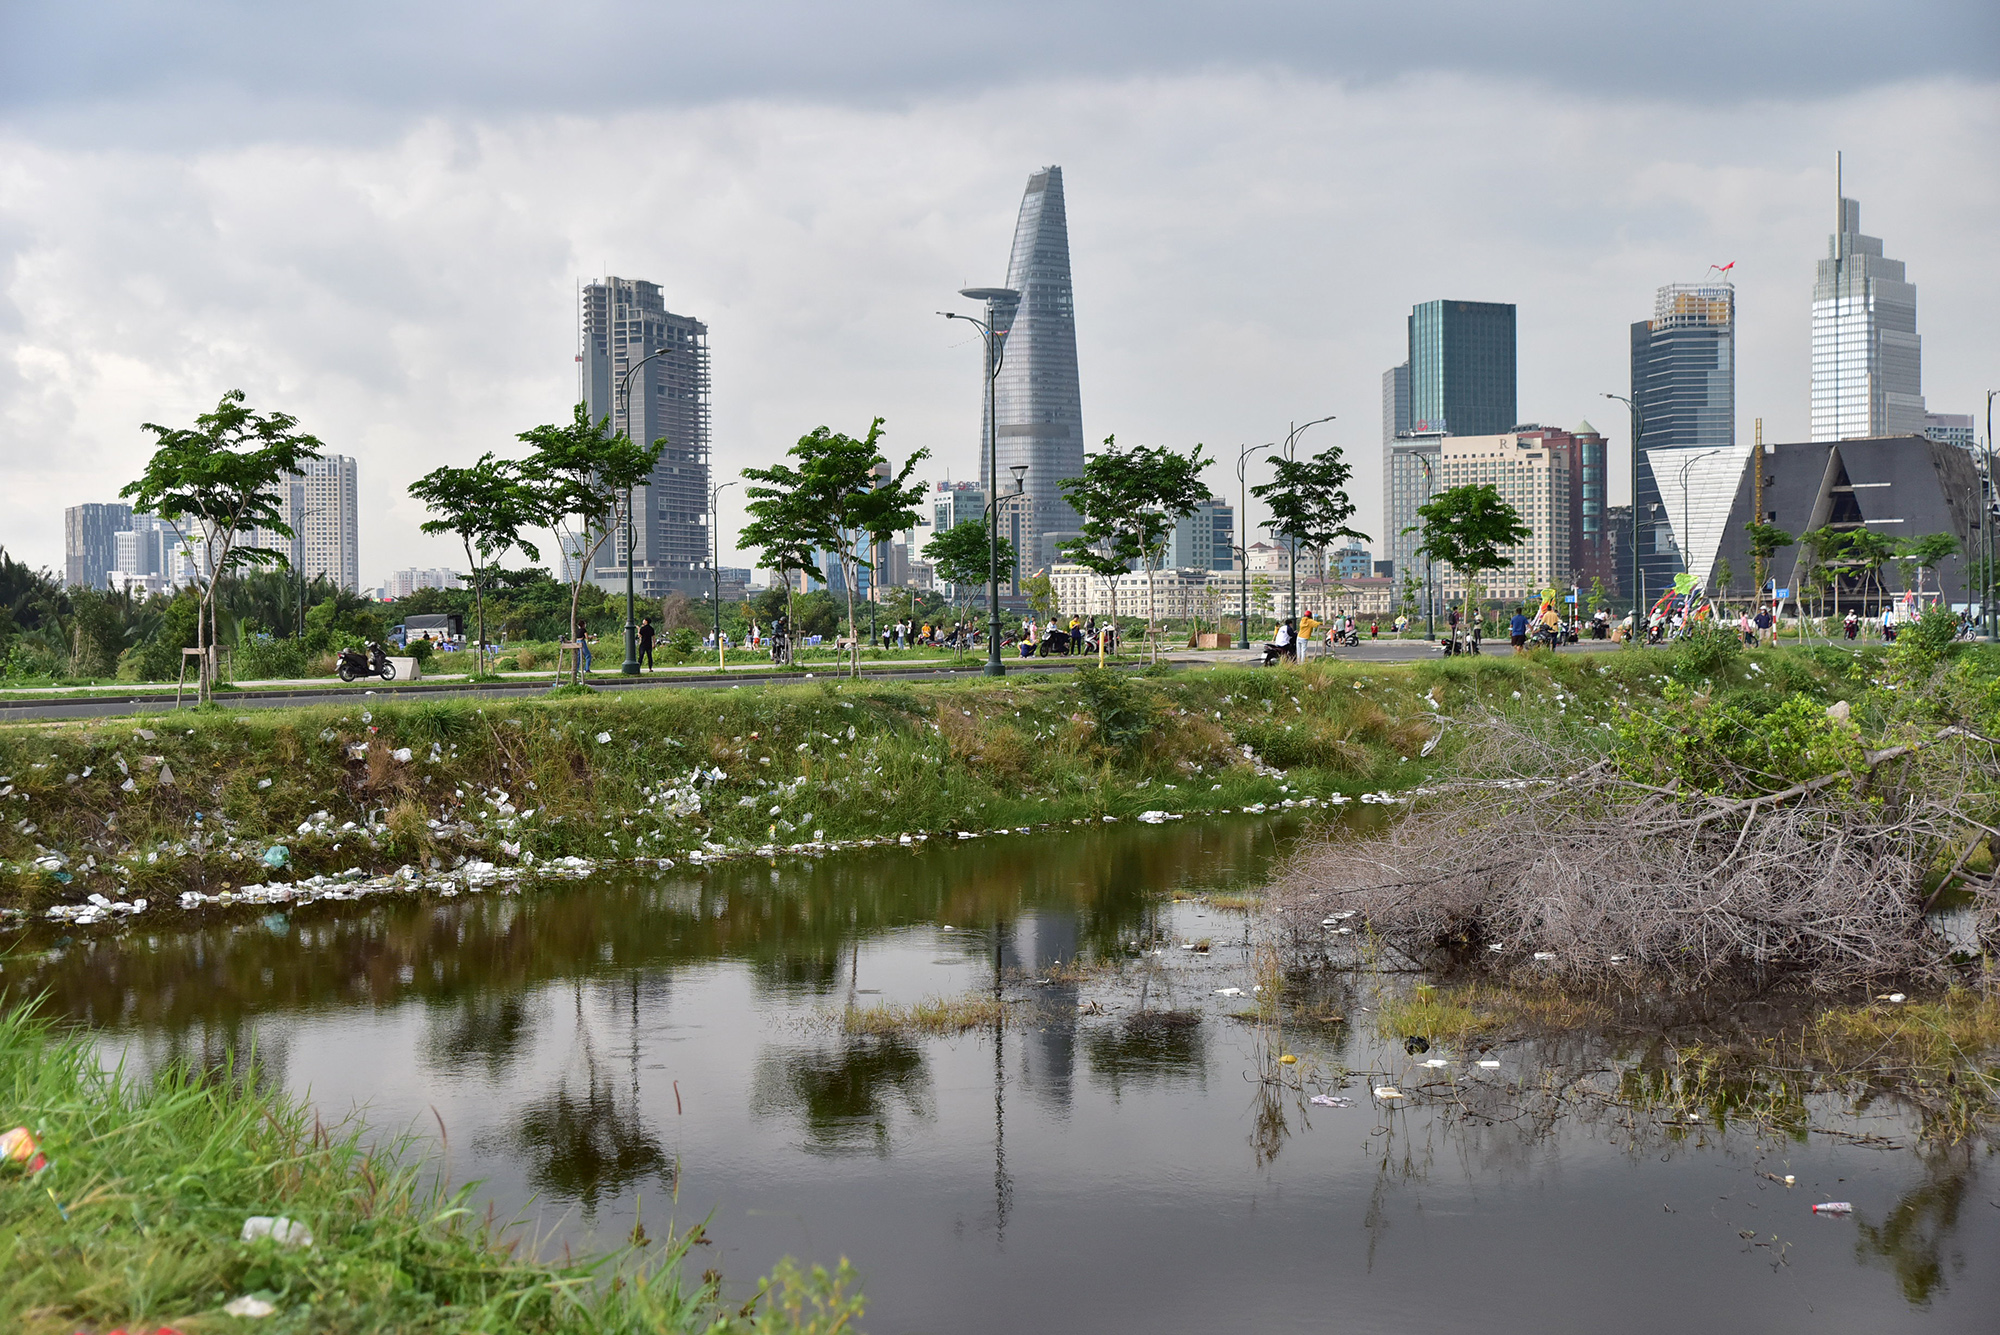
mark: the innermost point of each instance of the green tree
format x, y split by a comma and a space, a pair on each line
579, 474
841, 497
959, 555
1599, 596
220, 477
1866, 552
486, 506
1309, 501
1041, 594
1725, 574
1766, 540
1927, 553
1130, 501
1469, 529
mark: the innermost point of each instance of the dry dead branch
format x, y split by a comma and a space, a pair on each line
1821, 884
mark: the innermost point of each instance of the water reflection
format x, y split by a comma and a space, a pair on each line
598, 1043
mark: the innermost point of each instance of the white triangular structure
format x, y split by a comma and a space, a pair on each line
1700, 514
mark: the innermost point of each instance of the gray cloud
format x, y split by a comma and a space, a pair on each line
1246, 248
231, 69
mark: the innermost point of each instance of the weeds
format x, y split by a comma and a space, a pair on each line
931, 1016
135, 1221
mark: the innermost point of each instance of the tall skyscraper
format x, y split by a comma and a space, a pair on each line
1462, 368
1203, 540
320, 505
1684, 386
90, 539
1037, 400
622, 320
1459, 380
1867, 361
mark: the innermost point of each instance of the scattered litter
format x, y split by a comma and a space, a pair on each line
1834, 1207
277, 855
1545, 954
1437, 1062
1288, 1060
20, 1146
1896, 997
401, 755
357, 750
1228, 991
249, 1305
263, 784
603, 737
1416, 1045
1489, 1066
285, 1232
1331, 1101
1388, 1092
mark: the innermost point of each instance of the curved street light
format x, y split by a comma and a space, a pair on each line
1290, 437
1684, 535
1243, 525
715, 560
1637, 590
630, 667
995, 352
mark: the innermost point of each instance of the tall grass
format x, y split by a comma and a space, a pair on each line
136, 1220
769, 764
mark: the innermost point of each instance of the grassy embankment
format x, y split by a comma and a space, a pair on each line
146, 808
136, 1222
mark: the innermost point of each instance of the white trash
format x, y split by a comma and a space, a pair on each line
285, 1232
249, 1305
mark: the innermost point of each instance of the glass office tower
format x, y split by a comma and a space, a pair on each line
1867, 361
1462, 368
1037, 401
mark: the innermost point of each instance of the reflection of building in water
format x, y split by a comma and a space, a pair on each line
1028, 948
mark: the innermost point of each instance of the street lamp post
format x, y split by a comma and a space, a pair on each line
1290, 437
1638, 424
1430, 566
1243, 525
995, 353
1986, 526
630, 667
1685, 465
715, 561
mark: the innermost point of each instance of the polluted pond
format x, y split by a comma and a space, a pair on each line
1068, 1078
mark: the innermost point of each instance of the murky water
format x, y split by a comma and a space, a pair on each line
591, 1047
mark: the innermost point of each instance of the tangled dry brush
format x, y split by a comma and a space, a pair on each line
1600, 873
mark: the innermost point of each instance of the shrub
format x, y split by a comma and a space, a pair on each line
1123, 711
1924, 643
1706, 649
265, 658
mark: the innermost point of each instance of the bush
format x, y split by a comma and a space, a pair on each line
422, 650
1924, 643
266, 658
1125, 714
1706, 649
684, 643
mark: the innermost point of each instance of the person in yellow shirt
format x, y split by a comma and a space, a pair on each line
1307, 628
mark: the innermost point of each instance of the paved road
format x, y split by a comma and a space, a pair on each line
1368, 651
155, 702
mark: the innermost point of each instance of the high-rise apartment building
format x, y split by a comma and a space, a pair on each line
152, 555
1459, 379
666, 398
1960, 429
1531, 472
1590, 542
1350, 562
403, 583
1867, 361
320, 505
1204, 540
1038, 401
1684, 389
90, 533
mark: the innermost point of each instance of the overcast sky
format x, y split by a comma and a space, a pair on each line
377, 222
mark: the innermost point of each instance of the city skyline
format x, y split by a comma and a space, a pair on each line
1249, 246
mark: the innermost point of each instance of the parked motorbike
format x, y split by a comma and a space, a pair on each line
375, 663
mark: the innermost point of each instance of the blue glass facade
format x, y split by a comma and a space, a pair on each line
1462, 373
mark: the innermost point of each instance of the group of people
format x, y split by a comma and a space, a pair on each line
1051, 637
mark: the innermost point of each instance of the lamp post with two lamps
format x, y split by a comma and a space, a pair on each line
715, 561
1637, 591
1243, 525
1290, 437
994, 338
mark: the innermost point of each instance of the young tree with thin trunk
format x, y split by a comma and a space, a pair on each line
960, 555
1130, 501
840, 497
579, 475
1928, 553
221, 477
486, 506
1469, 529
1766, 541
1309, 502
